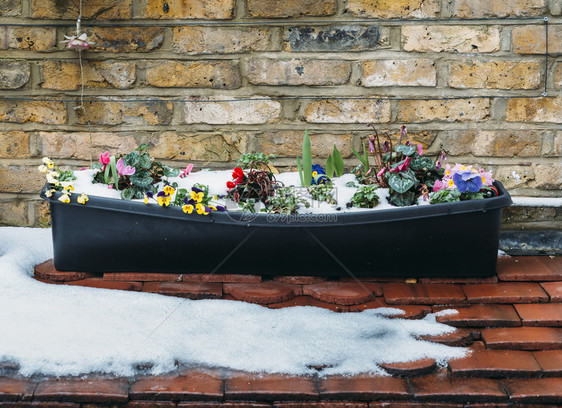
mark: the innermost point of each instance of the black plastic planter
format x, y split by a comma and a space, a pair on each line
444, 240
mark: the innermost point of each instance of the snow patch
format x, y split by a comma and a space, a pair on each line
70, 330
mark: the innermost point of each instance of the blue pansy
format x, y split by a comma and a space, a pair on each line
468, 181
318, 174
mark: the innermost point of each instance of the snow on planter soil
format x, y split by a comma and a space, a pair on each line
70, 330
216, 180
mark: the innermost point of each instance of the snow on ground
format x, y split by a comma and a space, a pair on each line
69, 330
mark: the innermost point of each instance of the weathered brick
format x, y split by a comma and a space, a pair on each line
548, 177
224, 110
501, 143
532, 39
13, 213
27, 38
514, 176
10, 8
14, 74
65, 75
99, 9
534, 110
17, 111
204, 9
342, 38
497, 8
558, 76
296, 71
457, 110
219, 40
14, 144
21, 179
291, 8
76, 145
348, 111
462, 39
558, 143
399, 72
126, 39
196, 74
394, 8
288, 143
495, 74
213, 147
107, 111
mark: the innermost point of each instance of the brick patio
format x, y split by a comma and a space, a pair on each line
511, 323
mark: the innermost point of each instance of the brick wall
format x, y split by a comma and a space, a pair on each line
321, 49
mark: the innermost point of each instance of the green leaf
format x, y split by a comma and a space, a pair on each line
330, 166
406, 150
144, 161
402, 199
400, 184
132, 159
140, 180
301, 175
127, 194
422, 162
113, 166
170, 172
337, 162
306, 160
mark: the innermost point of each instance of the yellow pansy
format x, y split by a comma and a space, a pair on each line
164, 201
67, 185
49, 193
188, 208
82, 199
450, 183
50, 164
200, 209
198, 197
145, 199
64, 198
52, 178
43, 168
169, 190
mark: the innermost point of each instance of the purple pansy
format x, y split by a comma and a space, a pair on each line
468, 181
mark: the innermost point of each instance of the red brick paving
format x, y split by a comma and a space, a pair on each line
530, 268
554, 290
550, 361
103, 284
15, 389
47, 271
191, 386
534, 390
523, 338
505, 292
363, 387
142, 277
269, 387
442, 387
540, 315
412, 368
496, 363
517, 361
423, 294
99, 390
189, 290
343, 293
480, 315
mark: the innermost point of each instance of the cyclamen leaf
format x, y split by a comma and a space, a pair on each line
421, 163
127, 194
402, 199
406, 150
400, 184
141, 181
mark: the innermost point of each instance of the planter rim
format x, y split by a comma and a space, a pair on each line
298, 220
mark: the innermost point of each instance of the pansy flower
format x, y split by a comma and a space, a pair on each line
318, 174
467, 181
169, 190
188, 208
64, 198
197, 197
201, 209
163, 199
50, 164
82, 199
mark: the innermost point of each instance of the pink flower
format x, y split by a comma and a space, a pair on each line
124, 170
380, 173
104, 158
371, 144
420, 149
438, 185
402, 167
185, 172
